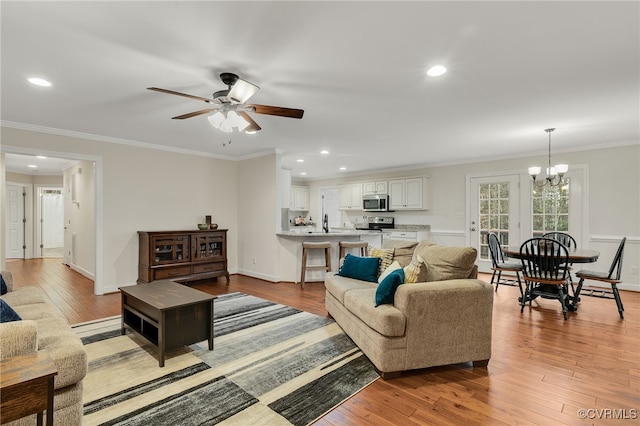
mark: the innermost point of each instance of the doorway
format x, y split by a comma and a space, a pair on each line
15, 221
494, 206
50, 222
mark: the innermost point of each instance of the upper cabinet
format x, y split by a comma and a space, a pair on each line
351, 197
374, 188
408, 194
299, 198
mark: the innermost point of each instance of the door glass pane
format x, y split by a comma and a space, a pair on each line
494, 214
550, 208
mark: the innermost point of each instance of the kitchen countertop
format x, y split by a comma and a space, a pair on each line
331, 233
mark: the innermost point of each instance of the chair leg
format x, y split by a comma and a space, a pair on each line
498, 280
523, 298
519, 282
304, 267
576, 295
616, 294
327, 259
563, 302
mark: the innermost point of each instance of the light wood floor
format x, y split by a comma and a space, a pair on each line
543, 370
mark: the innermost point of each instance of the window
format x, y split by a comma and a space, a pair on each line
494, 214
550, 208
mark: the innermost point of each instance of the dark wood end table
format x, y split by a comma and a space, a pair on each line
26, 387
168, 315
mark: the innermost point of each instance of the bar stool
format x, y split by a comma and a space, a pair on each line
306, 246
346, 245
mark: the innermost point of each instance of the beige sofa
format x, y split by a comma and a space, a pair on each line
444, 320
43, 327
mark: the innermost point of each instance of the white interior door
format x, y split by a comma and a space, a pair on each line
14, 222
494, 206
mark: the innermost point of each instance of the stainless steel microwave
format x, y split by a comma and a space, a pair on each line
375, 203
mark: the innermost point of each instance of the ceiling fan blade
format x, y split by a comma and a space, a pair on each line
279, 111
193, 114
253, 126
171, 92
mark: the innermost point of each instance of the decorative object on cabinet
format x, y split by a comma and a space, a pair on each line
203, 226
182, 256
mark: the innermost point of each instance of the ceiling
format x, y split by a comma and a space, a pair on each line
356, 68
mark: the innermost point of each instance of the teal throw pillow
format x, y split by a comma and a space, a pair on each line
7, 313
360, 268
387, 289
3, 286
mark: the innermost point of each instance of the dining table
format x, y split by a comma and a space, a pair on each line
576, 255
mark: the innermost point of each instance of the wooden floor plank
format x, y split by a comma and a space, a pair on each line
543, 369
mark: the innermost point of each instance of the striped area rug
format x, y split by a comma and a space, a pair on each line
271, 365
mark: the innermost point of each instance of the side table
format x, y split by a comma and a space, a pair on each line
26, 387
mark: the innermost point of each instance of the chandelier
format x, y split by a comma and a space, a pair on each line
554, 174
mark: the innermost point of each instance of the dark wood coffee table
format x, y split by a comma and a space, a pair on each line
168, 315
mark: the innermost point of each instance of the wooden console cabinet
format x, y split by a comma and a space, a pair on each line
182, 255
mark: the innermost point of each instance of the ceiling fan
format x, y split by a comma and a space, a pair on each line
231, 107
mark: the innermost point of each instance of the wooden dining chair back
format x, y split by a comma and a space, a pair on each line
544, 271
499, 265
612, 277
569, 242
566, 239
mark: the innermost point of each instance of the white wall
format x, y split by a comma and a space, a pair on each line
258, 209
141, 189
614, 200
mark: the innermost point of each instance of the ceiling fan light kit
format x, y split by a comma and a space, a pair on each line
230, 106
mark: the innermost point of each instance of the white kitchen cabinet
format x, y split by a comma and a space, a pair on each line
351, 197
374, 188
407, 194
405, 235
299, 198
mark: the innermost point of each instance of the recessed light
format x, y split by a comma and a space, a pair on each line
324, 152
42, 157
39, 81
300, 160
343, 168
303, 173
32, 166
436, 70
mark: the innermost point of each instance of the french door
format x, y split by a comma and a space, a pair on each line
494, 206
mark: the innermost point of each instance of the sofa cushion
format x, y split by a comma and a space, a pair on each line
402, 250
338, 286
416, 271
393, 267
24, 296
360, 268
385, 255
447, 263
384, 319
7, 314
387, 288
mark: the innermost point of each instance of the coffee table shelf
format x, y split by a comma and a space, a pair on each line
168, 315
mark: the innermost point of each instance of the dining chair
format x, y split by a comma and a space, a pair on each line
500, 265
569, 242
612, 277
543, 261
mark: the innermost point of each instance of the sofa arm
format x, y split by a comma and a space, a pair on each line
7, 276
18, 338
450, 320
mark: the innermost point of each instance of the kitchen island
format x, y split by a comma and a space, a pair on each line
291, 249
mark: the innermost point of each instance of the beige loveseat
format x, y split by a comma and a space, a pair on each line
444, 320
43, 327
